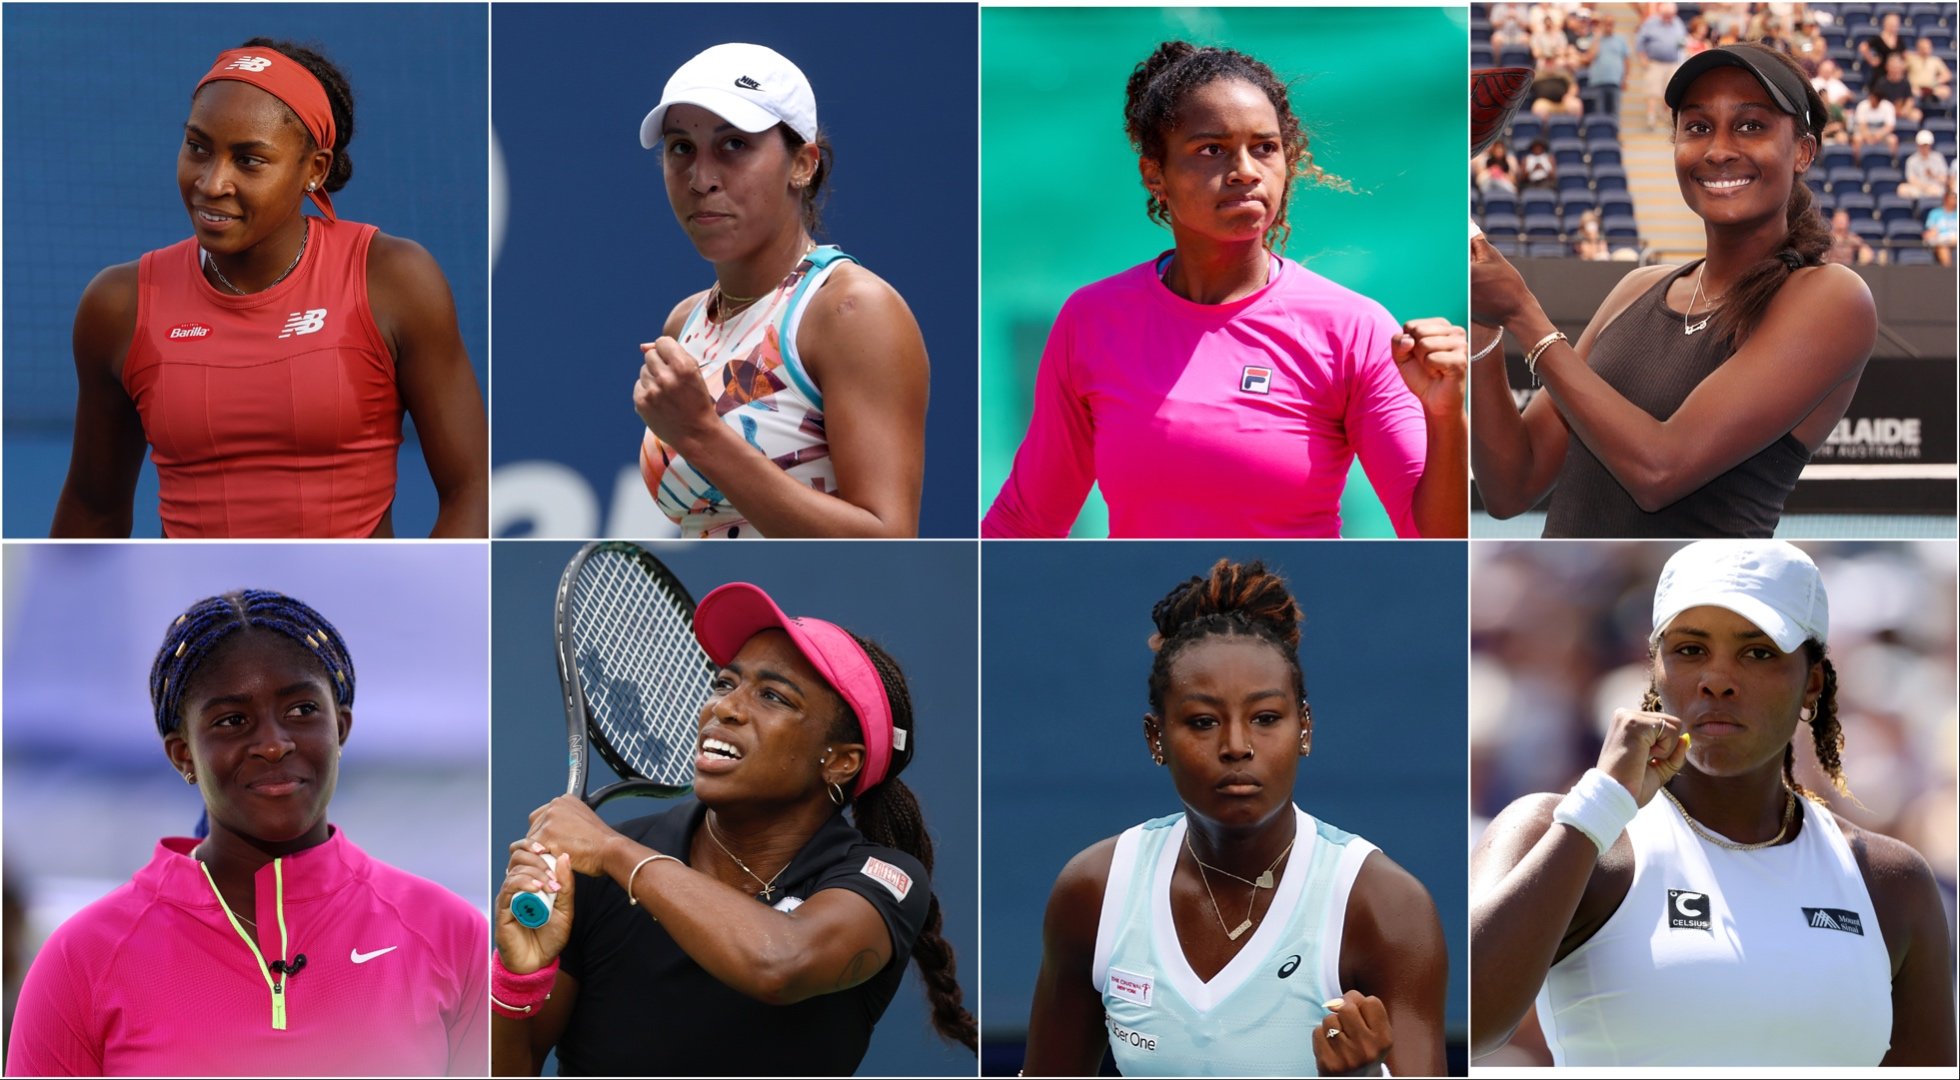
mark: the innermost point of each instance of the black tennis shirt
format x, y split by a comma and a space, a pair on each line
645, 1008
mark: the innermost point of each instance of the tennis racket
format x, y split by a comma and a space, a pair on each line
633, 678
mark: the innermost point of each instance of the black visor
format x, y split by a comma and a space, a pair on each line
1785, 87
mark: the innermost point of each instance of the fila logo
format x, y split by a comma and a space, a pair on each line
249, 63
747, 83
189, 330
304, 322
360, 957
1830, 918
1292, 965
1256, 380
1687, 910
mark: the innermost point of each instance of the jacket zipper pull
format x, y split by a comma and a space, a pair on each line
279, 1005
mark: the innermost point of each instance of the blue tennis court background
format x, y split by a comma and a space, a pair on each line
591, 259
95, 101
917, 599
1064, 668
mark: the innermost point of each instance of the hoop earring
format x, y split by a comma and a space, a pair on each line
1157, 751
1808, 714
190, 778
836, 792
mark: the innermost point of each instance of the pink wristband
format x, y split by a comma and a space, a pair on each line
519, 996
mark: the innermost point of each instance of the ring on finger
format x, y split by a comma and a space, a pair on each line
1333, 1033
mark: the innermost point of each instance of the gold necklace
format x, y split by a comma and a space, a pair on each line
723, 298
1265, 882
305, 235
768, 887
1789, 815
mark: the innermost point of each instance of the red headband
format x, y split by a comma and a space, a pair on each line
289, 81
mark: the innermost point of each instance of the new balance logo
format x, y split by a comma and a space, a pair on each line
1830, 918
747, 83
249, 63
1687, 910
304, 322
189, 330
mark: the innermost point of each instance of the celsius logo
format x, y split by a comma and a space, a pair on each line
1687, 910
747, 83
1292, 965
189, 330
249, 63
304, 322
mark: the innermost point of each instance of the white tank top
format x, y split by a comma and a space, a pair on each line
762, 390
1256, 1016
1770, 957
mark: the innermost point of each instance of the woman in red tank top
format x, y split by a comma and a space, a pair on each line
268, 359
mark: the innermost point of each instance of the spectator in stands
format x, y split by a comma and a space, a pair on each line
1555, 92
1606, 66
1808, 47
1940, 235
1931, 79
1926, 171
1495, 177
1660, 42
1507, 28
1772, 32
1538, 168
1873, 50
1847, 247
1829, 82
1874, 121
1548, 42
1700, 37
1579, 30
1897, 90
1589, 242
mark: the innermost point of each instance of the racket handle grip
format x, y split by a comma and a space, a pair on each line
533, 909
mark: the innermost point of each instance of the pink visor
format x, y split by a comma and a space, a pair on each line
732, 614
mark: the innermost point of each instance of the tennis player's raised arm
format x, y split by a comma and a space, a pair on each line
413, 306
1392, 948
1066, 1036
862, 345
1433, 357
98, 497
1056, 464
518, 1047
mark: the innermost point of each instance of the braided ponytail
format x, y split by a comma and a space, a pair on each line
888, 815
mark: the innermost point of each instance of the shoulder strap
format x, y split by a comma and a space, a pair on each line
821, 260
1116, 893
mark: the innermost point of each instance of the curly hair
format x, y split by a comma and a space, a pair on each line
1163, 81
1234, 600
888, 814
1826, 733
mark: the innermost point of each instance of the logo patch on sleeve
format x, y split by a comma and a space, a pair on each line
1129, 986
891, 877
1687, 910
1256, 380
1831, 918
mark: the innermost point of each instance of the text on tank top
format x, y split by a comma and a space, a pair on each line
274, 414
1645, 356
1717, 957
762, 390
1256, 1016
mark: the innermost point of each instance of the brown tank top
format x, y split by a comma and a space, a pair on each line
1645, 356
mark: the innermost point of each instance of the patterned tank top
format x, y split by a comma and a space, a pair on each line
762, 390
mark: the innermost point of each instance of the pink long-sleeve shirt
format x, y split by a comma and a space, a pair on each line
1214, 420
153, 979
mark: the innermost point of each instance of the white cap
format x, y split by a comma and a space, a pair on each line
1924, 138
1772, 584
751, 86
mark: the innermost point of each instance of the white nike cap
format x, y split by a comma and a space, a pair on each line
753, 87
1768, 582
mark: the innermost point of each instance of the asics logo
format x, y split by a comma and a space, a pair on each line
304, 322
1292, 965
249, 63
360, 957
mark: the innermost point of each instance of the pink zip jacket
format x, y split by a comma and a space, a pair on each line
1214, 420
156, 979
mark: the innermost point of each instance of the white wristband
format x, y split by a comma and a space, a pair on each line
1598, 806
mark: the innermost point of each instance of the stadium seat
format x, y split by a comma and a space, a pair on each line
1874, 157
1537, 201
1574, 181
1568, 152
1620, 228
1855, 202
1834, 156
1854, 14
1562, 127
1523, 130
1883, 178
1942, 41
1904, 232
1506, 247
1939, 125
1573, 203
1918, 256
1481, 56
1618, 204
1599, 126
1893, 208
1514, 56
1500, 203
1845, 178
1542, 227
1545, 249
1872, 232
1604, 154
1610, 178
1824, 201
1503, 223
1925, 206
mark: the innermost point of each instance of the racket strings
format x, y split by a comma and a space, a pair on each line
643, 674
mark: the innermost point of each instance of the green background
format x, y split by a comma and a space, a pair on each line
1383, 92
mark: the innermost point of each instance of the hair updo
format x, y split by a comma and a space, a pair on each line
1236, 600
210, 622
1160, 85
340, 97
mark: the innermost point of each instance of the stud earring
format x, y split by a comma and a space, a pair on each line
1157, 751
190, 778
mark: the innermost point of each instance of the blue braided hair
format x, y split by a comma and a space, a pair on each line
199, 631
